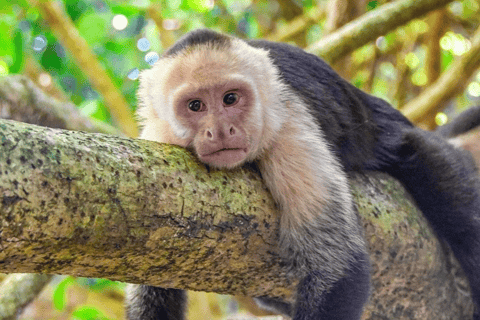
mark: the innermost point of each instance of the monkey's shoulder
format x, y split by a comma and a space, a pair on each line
343, 112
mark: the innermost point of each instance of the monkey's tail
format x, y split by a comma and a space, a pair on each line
443, 181
464, 122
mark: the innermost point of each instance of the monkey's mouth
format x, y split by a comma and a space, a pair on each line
226, 157
226, 149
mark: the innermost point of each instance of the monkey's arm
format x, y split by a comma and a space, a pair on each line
320, 237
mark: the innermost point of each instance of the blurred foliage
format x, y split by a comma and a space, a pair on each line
126, 40
78, 299
24, 34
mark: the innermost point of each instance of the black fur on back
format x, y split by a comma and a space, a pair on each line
153, 303
196, 38
353, 121
342, 117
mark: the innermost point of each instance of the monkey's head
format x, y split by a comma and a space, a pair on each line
214, 98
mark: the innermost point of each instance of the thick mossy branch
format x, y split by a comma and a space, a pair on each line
102, 206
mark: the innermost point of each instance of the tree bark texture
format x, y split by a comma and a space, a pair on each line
96, 205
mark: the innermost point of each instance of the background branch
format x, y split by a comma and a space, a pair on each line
18, 290
21, 100
67, 33
370, 26
450, 83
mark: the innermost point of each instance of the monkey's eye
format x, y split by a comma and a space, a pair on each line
230, 98
195, 105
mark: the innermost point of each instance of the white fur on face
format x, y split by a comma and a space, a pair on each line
156, 102
205, 67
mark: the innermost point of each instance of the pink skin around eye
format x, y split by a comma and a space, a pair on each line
219, 139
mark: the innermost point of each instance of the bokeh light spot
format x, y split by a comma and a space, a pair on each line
44, 79
119, 22
133, 74
143, 44
441, 119
3, 68
39, 43
151, 58
473, 89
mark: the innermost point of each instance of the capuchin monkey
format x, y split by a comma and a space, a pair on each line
233, 102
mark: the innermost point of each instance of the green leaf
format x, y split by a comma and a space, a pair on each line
88, 313
470, 9
6, 47
99, 284
76, 8
93, 27
89, 107
199, 5
446, 59
380, 88
103, 284
60, 293
19, 52
52, 58
372, 5
125, 9
101, 113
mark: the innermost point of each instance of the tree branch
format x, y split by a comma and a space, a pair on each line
370, 26
18, 290
22, 100
137, 211
447, 85
63, 27
91, 196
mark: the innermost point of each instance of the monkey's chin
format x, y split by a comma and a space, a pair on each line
225, 158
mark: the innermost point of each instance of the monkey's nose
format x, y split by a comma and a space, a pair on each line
226, 132
209, 134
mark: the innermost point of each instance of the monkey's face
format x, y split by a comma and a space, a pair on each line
224, 104
218, 115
